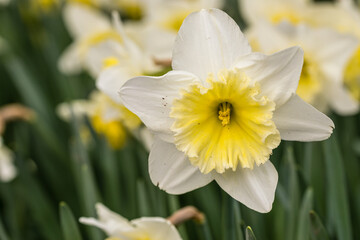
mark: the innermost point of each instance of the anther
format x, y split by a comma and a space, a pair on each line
224, 113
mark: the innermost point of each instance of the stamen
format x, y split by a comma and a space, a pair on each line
224, 113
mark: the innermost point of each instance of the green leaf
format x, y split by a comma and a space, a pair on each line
108, 167
238, 228
294, 194
338, 207
206, 230
3, 234
317, 230
249, 234
228, 218
33, 97
174, 205
68, 224
85, 180
304, 221
142, 199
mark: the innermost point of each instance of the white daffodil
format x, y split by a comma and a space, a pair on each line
326, 55
107, 117
161, 22
221, 111
117, 227
344, 16
7, 169
99, 44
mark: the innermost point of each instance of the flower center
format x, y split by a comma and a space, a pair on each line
225, 126
352, 75
224, 113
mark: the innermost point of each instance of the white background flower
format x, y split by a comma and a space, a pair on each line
115, 225
327, 50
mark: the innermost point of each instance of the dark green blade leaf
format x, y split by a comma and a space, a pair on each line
304, 221
317, 230
339, 206
3, 234
69, 225
250, 234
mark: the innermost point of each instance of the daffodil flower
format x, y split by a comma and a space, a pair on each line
100, 44
119, 228
327, 53
221, 111
344, 16
108, 118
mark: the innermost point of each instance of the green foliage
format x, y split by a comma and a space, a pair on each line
68, 223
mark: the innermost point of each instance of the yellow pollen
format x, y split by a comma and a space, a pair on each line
224, 113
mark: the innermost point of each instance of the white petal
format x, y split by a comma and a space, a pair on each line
109, 221
106, 215
330, 48
156, 41
70, 61
268, 38
253, 10
278, 74
150, 98
254, 188
82, 20
208, 41
298, 121
340, 100
172, 171
157, 228
112, 79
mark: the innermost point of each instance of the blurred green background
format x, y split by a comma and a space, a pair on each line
318, 195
